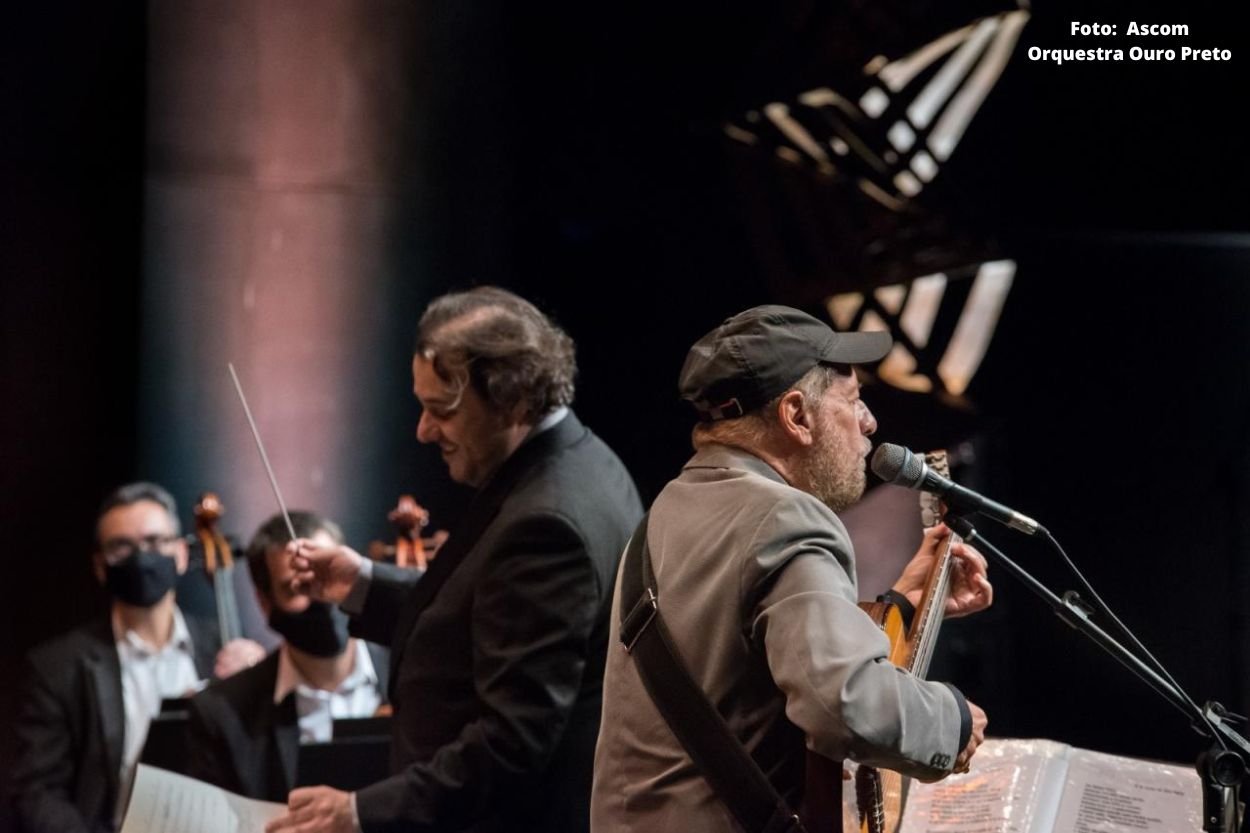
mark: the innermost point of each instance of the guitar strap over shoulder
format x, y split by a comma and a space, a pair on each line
734, 775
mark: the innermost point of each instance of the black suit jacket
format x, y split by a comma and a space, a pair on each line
70, 726
497, 652
242, 741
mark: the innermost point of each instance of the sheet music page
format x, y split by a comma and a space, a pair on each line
1111, 794
165, 802
1014, 786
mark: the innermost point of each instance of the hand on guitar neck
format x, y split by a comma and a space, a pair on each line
970, 591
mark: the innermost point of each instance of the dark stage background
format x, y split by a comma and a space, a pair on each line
287, 184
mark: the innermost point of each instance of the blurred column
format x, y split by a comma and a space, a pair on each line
282, 140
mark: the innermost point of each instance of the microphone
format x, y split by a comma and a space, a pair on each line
898, 465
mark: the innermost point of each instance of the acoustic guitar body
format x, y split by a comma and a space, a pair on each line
823, 804
889, 619
879, 793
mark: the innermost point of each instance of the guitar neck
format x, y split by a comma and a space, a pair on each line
927, 621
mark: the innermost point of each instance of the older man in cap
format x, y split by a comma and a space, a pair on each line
753, 576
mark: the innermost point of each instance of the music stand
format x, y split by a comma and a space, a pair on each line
357, 756
166, 744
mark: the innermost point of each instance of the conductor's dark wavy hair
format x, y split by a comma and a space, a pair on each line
501, 345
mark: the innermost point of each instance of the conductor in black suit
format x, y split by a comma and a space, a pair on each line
497, 652
245, 732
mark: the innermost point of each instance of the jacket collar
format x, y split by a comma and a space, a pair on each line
716, 456
482, 510
553, 432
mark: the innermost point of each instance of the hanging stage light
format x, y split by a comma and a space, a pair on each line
835, 179
839, 185
942, 325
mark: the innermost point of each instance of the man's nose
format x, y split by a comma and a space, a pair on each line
426, 430
867, 422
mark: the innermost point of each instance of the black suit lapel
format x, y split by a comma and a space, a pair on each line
104, 679
286, 739
449, 558
481, 512
205, 643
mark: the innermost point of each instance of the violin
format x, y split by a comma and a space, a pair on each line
218, 564
410, 550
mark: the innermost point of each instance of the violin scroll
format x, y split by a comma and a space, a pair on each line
410, 548
218, 564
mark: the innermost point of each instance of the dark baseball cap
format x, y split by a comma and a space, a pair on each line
758, 354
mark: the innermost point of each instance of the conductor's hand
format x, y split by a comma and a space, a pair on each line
316, 810
971, 590
326, 573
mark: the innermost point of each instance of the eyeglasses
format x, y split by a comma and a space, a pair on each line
119, 549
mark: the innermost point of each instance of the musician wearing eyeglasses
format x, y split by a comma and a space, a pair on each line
89, 695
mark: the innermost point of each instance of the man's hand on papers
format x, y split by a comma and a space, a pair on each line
316, 810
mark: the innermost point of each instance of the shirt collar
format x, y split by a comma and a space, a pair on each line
548, 422
717, 456
290, 678
180, 639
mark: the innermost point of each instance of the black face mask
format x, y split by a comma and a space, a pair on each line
319, 630
141, 579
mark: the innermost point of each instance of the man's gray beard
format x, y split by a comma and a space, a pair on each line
820, 475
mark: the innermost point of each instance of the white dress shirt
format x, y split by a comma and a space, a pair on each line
149, 675
357, 696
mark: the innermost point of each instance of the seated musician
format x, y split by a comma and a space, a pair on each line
87, 697
755, 577
245, 731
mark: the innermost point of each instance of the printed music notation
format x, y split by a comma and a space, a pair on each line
165, 802
1042, 786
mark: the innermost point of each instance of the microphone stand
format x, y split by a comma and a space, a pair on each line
1222, 767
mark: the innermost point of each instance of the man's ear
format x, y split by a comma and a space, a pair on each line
518, 415
97, 566
796, 418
